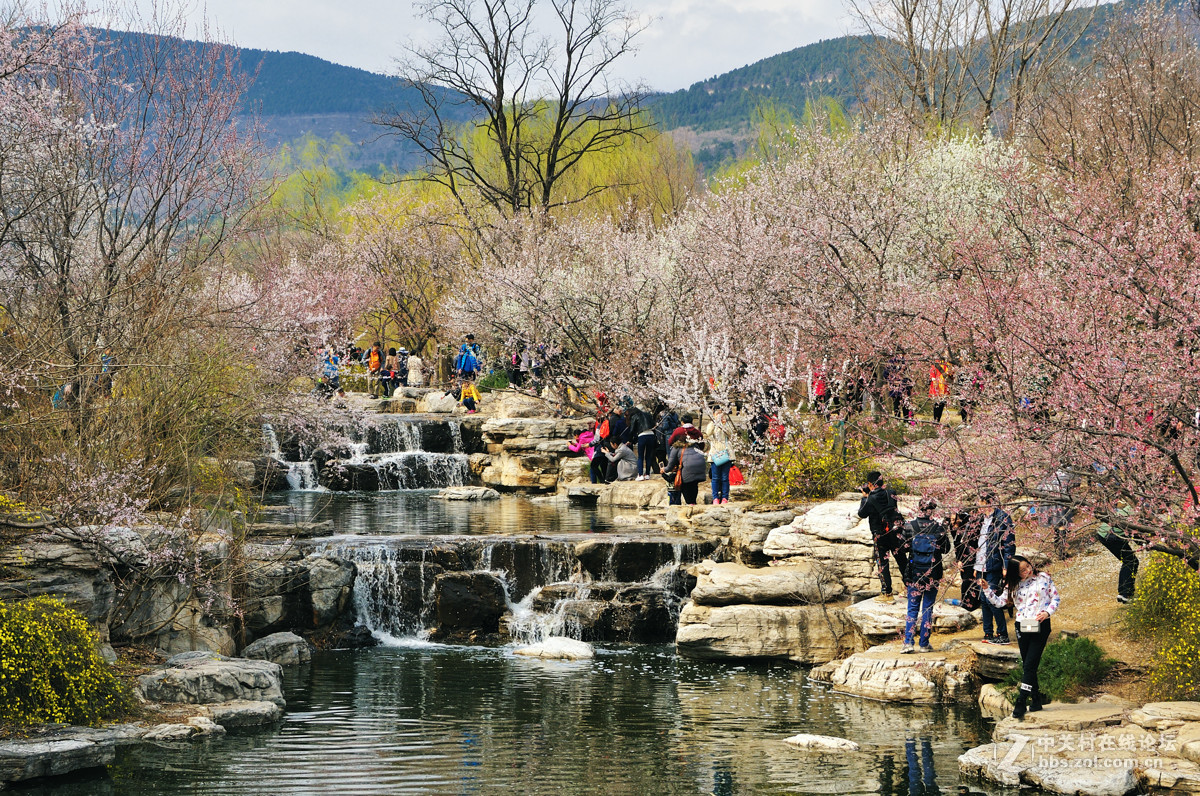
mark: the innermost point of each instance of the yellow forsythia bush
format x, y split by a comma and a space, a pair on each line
1166, 610
810, 467
50, 668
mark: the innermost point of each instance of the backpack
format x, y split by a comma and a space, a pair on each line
924, 547
893, 519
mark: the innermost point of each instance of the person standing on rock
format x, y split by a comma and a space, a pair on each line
1034, 598
641, 431
997, 545
720, 455
879, 508
927, 542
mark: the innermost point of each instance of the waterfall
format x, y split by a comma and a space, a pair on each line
388, 454
548, 588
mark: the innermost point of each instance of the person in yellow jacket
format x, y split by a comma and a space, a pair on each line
470, 397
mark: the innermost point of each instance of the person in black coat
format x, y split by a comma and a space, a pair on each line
879, 507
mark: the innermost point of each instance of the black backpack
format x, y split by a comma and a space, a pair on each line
893, 520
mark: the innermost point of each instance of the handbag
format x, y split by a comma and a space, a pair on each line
722, 457
679, 477
735, 476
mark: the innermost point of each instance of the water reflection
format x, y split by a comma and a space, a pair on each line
632, 721
412, 512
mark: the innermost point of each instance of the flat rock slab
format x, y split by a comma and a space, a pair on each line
299, 530
882, 621
802, 583
801, 633
208, 678
244, 713
886, 674
558, 648
63, 751
825, 743
1063, 716
467, 493
1014, 765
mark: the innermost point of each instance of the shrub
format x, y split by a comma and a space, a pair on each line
50, 668
1166, 611
496, 380
1069, 667
805, 467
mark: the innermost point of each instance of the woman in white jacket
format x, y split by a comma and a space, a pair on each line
1034, 598
720, 437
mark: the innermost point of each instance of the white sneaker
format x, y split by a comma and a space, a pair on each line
926, 649
907, 649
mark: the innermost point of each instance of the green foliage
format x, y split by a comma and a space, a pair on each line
1166, 611
496, 380
1069, 667
50, 669
811, 466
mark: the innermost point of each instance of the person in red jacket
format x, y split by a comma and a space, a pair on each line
685, 431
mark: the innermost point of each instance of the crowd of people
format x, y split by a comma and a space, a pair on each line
994, 577
633, 443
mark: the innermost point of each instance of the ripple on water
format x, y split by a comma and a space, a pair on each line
440, 719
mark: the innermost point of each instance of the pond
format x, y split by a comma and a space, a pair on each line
416, 717
424, 718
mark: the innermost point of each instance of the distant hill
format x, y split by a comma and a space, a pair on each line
828, 68
296, 94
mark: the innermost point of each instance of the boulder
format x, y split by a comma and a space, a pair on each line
197, 727
800, 583
802, 633
331, 588
244, 713
286, 649
825, 743
880, 622
49, 564
558, 648
748, 530
202, 678
993, 704
467, 493
469, 601
437, 403
992, 661
886, 674
830, 534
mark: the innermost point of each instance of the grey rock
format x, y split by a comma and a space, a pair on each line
245, 713
331, 585
213, 679
800, 633
802, 583
469, 601
286, 649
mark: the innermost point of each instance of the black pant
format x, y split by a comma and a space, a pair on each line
938, 408
893, 544
690, 490
1120, 548
1032, 645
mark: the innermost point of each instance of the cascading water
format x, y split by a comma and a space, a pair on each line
609, 589
392, 452
301, 476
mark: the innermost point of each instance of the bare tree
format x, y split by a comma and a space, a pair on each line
507, 110
967, 62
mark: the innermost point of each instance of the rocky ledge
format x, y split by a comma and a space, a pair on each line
1101, 748
209, 692
884, 673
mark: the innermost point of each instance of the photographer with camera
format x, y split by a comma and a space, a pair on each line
882, 513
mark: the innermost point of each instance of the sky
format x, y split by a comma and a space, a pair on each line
687, 40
